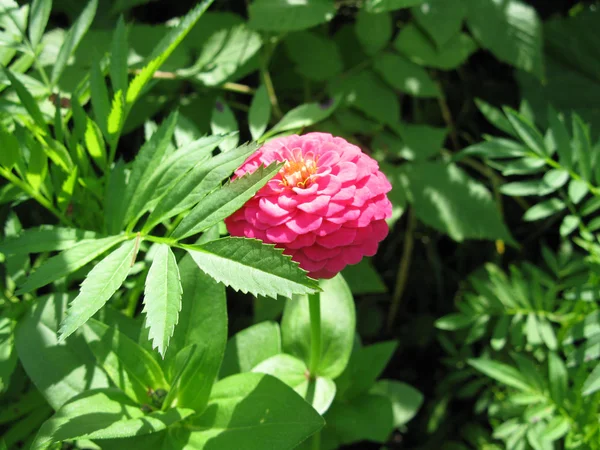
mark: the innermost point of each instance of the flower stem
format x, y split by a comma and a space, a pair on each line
314, 305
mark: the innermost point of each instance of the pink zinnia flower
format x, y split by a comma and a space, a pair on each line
326, 207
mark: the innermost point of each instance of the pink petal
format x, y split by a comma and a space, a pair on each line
270, 206
327, 227
280, 235
315, 205
304, 223
303, 240
343, 236
319, 253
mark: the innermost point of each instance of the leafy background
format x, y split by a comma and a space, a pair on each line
488, 202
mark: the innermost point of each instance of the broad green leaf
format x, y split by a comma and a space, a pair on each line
446, 198
377, 6
10, 148
197, 183
501, 372
73, 39
558, 378
338, 322
104, 414
59, 370
578, 189
441, 19
556, 178
254, 413
511, 30
130, 367
45, 238
556, 429
8, 354
162, 298
420, 141
260, 112
203, 324
94, 143
68, 261
367, 417
530, 136
592, 383
373, 31
582, 147
139, 187
39, 13
405, 75
365, 366
289, 15
544, 209
319, 392
223, 121
27, 100
315, 57
416, 46
303, 116
406, 400
164, 49
249, 347
100, 284
118, 59
223, 202
452, 322
364, 279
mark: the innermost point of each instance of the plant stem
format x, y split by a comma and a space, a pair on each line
316, 441
314, 305
403, 268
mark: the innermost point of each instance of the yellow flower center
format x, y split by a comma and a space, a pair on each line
298, 171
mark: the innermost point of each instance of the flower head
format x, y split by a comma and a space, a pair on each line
326, 207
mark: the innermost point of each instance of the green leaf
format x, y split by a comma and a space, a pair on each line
8, 354
68, 261
260, 112
223, 202
114, 204
10, 148
406, 400
59, 370
100, 284
420, 141
288, 15
162, 298
315, 57
558, 378
525, 188
592, 383
363, 278
46, 238
197, 183
414, 44
453, 322
544, 209
130, 367
118, 59
99, 93
338, 322
94, 143
203, 323
139, 187
27, 100
39, 13
501, 372
584, 329
441, 19
530, 136
248, 265
561, 138
495, 116
223, 121
164, 49
500, 333
373, 31
556, 429
446, 198
104, 414
73, 39
319, 392
377, 6
303, 116
249, 347
511, 30
254, 414
582, 147
578, 189
116, 115
405, 75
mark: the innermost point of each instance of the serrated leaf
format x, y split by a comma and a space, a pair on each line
162, 298
72, 39
94, 143
99, 96
118, 59
260, 112
221, 203
248, 265
27, 100
68, 261
164, 49
130, 367
100, 284
223, 121
582, 147
304, 116
46, 238
39, 13
117, 110
10, 148
114, 205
